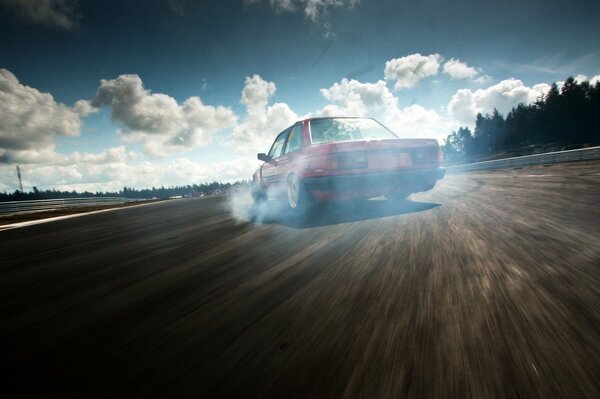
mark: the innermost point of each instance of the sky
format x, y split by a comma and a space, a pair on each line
97, 95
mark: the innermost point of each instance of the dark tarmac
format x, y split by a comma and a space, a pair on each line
487, 286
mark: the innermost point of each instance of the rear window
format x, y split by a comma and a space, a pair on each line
348, 129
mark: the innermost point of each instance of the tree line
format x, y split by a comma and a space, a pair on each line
560, 119
195, 190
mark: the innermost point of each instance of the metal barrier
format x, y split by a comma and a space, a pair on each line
13, 207
583, 154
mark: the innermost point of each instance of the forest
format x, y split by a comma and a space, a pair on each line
195, 190
565, 118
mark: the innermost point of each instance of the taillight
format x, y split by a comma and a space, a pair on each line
339, 160
351, 160
427, 155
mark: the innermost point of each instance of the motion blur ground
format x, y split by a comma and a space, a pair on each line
485, 286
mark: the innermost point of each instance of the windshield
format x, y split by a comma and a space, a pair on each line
346, 129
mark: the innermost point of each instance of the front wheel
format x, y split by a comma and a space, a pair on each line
299, 200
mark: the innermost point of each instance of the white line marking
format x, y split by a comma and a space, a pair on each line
47, 220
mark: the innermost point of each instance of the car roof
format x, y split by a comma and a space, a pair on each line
334, 117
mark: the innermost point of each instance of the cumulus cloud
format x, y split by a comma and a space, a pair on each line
32, 120
156, 120
416, 121
354, 98
459, 70
52, 13
262, 121
410, 70
466, 104
115, 168
351, 97
579, 78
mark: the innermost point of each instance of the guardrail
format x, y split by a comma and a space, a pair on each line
13, 207
582, 154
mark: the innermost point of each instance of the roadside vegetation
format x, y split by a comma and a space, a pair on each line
565, 118
195, 190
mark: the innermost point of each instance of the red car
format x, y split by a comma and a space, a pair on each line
328, 158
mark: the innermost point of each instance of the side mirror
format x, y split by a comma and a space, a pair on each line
265, 158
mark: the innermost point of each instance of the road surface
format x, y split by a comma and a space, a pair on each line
487, 286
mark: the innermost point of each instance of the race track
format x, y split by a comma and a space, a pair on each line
487, 286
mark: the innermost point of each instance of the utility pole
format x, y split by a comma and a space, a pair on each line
19, 175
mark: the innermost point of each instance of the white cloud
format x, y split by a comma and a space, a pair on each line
416, 121
317, 11
354, 98
31, 120
114, 168
466, 104
262, 122
351, 97
408, 71
312, 9
156, 120
283, 5
53, 13
579, 78
459, 70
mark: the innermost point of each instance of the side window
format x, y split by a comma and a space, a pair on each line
277, 147
294, 142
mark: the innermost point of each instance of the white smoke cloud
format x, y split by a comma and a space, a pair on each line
409, 70
156, 120
262, 122
52, 13
466, 104
459, 70
32, 120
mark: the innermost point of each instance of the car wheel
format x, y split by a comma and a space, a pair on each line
299, 200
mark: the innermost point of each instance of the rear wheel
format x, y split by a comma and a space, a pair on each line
299, 200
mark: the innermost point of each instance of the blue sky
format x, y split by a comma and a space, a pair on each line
176, 92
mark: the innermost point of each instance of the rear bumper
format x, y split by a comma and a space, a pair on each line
373, 184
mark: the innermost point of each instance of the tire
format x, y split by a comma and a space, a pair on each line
299, 200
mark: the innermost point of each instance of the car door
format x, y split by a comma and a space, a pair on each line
272, 171
291, 158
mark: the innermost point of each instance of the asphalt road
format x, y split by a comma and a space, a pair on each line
487, 286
